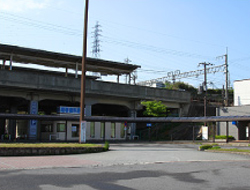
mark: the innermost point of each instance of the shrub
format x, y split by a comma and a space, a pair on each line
106, 146
224, 137
210, 147
206, 146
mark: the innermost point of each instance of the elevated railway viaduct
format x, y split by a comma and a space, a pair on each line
24, 89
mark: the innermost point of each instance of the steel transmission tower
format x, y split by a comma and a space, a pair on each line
96, 43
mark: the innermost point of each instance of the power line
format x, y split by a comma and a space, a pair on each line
154, 48
39, 24
173, 75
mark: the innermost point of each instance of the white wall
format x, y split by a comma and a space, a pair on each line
242, 92
61, 135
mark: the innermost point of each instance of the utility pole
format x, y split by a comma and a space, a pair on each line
226, 102
83, 77
205, 87
226, 92
226, 99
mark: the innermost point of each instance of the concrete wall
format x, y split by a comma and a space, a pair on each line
237, 130
50, 83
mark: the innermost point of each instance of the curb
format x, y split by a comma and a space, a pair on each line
49, 151
242, 153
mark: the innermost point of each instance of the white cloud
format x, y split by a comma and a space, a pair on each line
22, 5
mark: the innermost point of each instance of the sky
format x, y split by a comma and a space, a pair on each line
161, 35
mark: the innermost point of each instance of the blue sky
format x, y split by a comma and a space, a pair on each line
160, 35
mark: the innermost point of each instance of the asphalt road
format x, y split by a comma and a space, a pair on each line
130, 167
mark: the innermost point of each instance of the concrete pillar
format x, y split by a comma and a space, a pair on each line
12, 123
3, 66
11, 61
2, 126
132, 126
218, 126
66, 72
33, 123
88, 110
76, 73
118, 79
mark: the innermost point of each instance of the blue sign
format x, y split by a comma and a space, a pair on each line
33, 123
68, 110
149, 124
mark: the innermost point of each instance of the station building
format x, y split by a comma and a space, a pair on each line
42, 82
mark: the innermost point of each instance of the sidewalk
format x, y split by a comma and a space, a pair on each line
35, 162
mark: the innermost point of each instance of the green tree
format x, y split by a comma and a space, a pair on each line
154, 108
181, 85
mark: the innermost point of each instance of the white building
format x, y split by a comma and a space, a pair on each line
242, 92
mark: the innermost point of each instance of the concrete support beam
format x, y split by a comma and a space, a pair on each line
2, 126
12, 123
132, 126
88, 110
118, 79
11, 61
33, 123
76, 73
66, 72
3, 66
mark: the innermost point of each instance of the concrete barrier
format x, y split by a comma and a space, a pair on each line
48, 151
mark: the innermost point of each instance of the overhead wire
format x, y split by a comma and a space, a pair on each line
78, 33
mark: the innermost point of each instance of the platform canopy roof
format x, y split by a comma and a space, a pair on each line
60, 60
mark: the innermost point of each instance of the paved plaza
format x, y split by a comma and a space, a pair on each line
120, 154
129, 167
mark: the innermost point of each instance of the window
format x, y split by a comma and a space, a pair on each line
122, 130
92, 129
75, 130
102, 130
61, 127
113, 131
47, 127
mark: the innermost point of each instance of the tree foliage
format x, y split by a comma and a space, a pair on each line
154, 108
181, 86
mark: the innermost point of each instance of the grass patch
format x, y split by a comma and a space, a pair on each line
215, 144
215, 148
47, 145
234, 150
